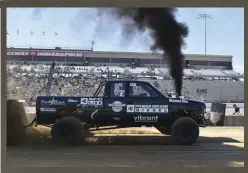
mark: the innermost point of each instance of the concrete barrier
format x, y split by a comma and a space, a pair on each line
234, 121
16, 120
228, 105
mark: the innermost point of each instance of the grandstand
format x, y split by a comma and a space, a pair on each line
210, 77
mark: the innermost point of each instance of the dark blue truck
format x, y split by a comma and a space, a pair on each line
123, 103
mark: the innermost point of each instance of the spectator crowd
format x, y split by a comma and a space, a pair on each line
27, 81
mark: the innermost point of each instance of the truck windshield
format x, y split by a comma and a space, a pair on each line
154, 87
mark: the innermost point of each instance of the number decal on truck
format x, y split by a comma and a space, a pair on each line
91, 102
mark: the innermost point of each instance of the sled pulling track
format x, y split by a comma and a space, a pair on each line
217, 146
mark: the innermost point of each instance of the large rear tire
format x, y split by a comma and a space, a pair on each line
67, 131
185, 131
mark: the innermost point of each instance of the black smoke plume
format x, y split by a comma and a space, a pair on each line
168, 34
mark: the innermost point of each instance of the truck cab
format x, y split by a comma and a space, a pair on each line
131, 102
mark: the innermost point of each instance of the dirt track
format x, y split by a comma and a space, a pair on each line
216, 147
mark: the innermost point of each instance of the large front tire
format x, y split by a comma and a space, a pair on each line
67, 131
185, 131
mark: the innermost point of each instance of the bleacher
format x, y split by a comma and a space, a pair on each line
137, 70
216, 90
210, 72
231, 73
229, 89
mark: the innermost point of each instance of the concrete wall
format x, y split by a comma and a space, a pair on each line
235, 121
217, 90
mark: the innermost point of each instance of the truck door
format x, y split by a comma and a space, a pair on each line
145, 103
115, 103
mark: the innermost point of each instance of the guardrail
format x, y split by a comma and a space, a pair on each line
228, 105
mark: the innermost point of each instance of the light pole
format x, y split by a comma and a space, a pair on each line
92, 45
205, 17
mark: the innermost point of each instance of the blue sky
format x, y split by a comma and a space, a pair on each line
77, 27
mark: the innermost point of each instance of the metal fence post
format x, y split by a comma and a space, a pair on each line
220, 94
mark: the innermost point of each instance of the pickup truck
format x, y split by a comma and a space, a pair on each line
121, 103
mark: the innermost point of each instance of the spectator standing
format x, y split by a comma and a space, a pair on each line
236, 109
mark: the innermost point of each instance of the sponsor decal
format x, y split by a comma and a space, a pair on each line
94, 101
45, 53
148, 108
117, 106
47, 109
72, 101
130, 108
91, 101
84, 101
144, 119
53, 102
132, 84
178, 101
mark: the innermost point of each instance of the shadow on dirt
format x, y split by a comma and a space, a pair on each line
149, 140
207, 151
131, 140
40, 136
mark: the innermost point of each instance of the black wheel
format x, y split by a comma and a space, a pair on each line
185, 131
67, 131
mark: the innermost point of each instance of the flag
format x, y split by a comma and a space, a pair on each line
31, 33
17, 31
55, 33
43, 32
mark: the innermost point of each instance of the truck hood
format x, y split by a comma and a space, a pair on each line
188, 103
184, 100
